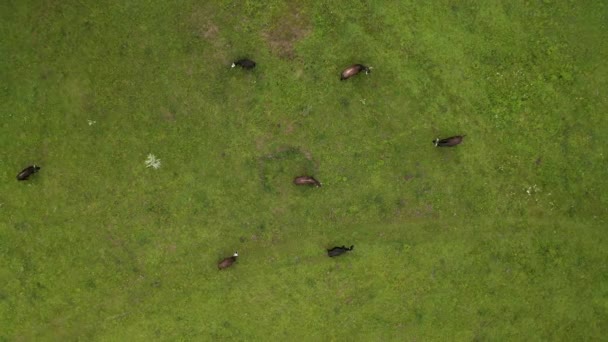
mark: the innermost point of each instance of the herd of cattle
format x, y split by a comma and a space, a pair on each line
246, 63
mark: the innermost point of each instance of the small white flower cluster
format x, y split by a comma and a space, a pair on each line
152, 161
532, 189
91, 122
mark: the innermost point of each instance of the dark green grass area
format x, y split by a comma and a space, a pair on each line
501, 238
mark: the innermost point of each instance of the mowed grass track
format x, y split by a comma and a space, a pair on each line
501, 238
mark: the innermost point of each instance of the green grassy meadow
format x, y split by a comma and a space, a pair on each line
502, 238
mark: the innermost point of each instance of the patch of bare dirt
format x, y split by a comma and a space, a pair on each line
288, 127
288, 29
332, 215
279, 211
408, 177
201, 24
210, 30
307, 154
167, 114
425, 211
171, 248
115, 241
260, 143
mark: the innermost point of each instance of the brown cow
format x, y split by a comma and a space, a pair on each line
306, 180
227, 262
353, 70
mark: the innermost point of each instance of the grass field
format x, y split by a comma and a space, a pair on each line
501, 238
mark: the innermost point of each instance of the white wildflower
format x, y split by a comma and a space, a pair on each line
91, 122
152, 161
532, 189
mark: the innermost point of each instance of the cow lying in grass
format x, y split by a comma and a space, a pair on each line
27, 172
306, 180
354, 70
244, 63
227, 262
339, 250
448, 142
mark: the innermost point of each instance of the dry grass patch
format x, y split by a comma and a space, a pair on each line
289, 28
203, 27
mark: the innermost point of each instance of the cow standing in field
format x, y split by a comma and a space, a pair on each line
354, 70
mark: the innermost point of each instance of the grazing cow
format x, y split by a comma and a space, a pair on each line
448, 142
306, 180
339, 250
227, 262
353, 70
244, 63
27, 172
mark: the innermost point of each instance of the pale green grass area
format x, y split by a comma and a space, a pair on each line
501, 238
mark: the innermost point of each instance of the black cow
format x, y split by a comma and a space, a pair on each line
27, 172
244, 63
339, 250
448, 142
